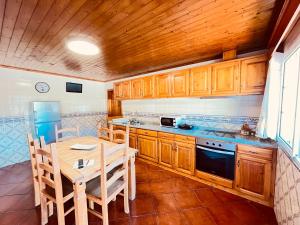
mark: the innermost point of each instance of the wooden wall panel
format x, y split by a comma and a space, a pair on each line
135, 37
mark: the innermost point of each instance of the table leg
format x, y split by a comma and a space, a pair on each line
132, 180
80, 203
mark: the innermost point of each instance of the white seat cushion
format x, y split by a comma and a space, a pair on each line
93, 187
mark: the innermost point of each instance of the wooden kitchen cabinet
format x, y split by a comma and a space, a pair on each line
163, 86
254, 173
226, 78
166, 152
253, 75
133, 140
200, 81
185, 157
147, 147
137, 88
122, 90
148, 87
179, 83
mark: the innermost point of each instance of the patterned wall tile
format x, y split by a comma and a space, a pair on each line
13, 133
287, 191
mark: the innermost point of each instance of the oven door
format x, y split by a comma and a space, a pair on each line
167, 121
215, 161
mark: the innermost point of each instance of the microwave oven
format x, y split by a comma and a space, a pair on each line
168, 121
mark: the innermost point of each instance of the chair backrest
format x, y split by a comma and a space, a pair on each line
32, 155
113, 159
48, 170
120, 136
59, 133
105, 133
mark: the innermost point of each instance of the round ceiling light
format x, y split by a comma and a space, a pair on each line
83, 47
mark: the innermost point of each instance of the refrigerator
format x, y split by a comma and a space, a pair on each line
46, 115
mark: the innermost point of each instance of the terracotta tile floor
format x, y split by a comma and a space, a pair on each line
162, 198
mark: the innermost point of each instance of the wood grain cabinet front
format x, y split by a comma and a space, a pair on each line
226, 78
133, 140
179, 83
185, 157
148, 87
122, 90
166, 150
118, 90
163, 86
253, 75
200, 81
254, 174
137, 88
147, 147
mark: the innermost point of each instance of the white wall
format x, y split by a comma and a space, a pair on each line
223, 106
17, 90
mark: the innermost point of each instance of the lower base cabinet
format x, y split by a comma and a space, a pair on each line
166, 152
254, 176
133, 140
147, 147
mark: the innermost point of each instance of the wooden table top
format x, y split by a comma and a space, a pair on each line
67, 158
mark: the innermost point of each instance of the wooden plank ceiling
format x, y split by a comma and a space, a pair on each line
134, 36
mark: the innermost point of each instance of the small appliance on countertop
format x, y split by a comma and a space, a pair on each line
170, 121
185, 126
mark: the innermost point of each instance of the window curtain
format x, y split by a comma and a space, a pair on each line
269, 116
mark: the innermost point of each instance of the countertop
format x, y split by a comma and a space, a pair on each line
201, 132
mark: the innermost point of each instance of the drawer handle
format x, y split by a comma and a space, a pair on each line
253, 152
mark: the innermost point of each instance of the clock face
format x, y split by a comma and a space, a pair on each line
42, 87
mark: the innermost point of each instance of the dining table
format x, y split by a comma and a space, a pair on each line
79, 177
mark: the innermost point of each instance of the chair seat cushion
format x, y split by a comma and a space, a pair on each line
93, 187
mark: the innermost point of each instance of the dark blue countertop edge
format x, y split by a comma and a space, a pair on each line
196, 132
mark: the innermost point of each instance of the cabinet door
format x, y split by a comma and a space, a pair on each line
132, 140
185, 157
118, 90
163, 86
226, 78
147, 147
253, 75
137, 88
148, 87
180, 83
200, 81
126, 89
165, 152
253, 176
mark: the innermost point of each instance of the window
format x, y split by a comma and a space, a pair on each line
290, 104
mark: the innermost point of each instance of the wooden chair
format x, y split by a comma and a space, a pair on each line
50, 182
105, 133
59, 132
106, 188
119, 136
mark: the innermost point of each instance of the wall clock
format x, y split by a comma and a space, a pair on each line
42, 87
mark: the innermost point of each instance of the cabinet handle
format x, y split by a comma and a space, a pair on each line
238, 163
252, 152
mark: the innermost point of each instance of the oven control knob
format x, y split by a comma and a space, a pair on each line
220, 145
207, 143
213, 144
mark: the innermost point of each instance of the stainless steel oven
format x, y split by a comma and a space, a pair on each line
215, 157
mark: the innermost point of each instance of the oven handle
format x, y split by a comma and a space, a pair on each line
216, 151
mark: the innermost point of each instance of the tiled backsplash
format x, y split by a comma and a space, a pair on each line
210, 121
287, 191
13, 133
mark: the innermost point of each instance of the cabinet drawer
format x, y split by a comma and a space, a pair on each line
255, 152
183, 138
147, 132
166, 135
132, 130
119, 127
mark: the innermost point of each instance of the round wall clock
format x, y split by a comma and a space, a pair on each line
42, 87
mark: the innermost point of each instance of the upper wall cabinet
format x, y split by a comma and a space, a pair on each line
179, 83
122, 90
148, 87
226, 78
253, 75
163, 86
137, 88
244, 76
200, 81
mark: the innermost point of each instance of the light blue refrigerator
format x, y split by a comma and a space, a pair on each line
46, 116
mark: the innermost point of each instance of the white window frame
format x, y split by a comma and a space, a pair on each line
293, 151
